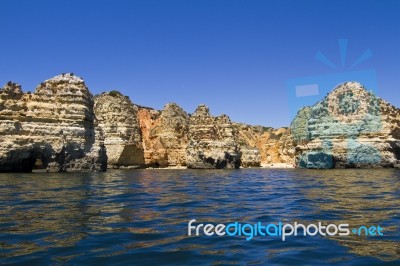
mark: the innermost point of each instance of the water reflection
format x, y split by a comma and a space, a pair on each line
359, 197
121, 215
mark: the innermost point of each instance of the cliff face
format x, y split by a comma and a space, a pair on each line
138, 136
212, 141
57, 127
351, 127
54, 127
165, 135
173, 138
60, 127
117, 117
273, 146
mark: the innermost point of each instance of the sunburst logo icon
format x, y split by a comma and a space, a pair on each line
343, 43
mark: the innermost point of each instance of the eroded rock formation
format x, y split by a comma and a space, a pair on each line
60, 127
212, 141
54, 127
165, 135
274, 146
173, 138
351, 127
117, 117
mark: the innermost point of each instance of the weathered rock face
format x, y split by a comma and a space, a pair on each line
55, 125
117, 117
165, 135
247, 139
212, 141
276, 145
172, 138
250, 157
351, 127
273, 145
62, 128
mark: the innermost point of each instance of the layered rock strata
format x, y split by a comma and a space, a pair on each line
351, 127
171, 137
165, 135
61, 127
212, 141
274, 146
117, 117
54, 127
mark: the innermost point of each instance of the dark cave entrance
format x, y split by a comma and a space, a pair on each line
38, 166
39, 159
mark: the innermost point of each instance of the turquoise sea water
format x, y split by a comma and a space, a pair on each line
140, 217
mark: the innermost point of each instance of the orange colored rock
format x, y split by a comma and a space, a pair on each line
165, 135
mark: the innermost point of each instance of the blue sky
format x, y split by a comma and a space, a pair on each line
234, 56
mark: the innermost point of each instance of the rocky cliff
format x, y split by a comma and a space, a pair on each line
171, 137
165, 135
351, 127
137, 136
212, 141
272, 146
61, 127
117, 117
54, 127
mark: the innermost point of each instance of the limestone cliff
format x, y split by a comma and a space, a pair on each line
117, 117
165, 135
61, 127
351, 127
54, 126
273, 146
212, 141
171, 137
132, 135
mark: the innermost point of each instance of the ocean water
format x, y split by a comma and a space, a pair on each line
140, 217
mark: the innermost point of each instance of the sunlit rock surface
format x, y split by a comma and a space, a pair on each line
61, 127
117, 117
274, 146
351, 127
212, 141
53, 128
165, 135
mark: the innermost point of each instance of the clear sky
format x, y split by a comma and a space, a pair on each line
235, 56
